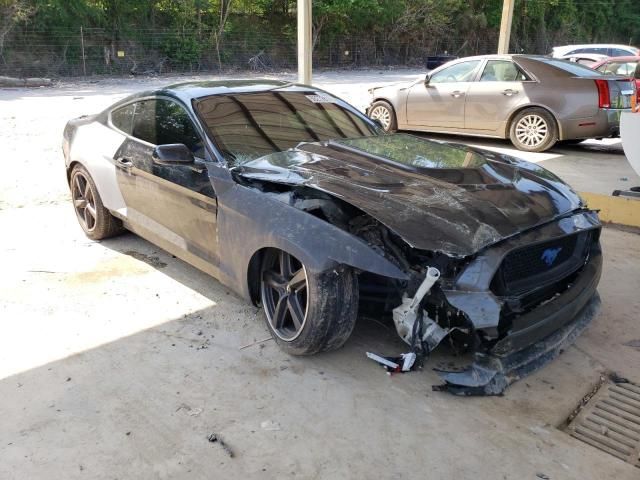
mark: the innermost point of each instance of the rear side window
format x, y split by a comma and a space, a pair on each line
572, 68
502, 71
122, 118
162, 122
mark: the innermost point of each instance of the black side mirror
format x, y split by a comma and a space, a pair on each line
427, 79
173, 154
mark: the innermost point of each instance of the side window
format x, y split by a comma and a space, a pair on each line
606, 69
122, 118
502, 71
173, 125
618, 52
618, 68
627, 69
460, 72
144, 123
161, 122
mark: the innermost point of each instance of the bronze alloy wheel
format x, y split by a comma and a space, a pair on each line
84, 202
284, 294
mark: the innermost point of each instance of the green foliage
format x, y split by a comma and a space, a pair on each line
182, 50
194, 31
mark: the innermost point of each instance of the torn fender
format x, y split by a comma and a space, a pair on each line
249, 220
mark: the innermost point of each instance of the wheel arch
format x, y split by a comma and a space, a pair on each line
386, 100
70, 168
253, 275
255, 217
513, 114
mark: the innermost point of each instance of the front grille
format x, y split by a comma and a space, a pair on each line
530, 261
535, 266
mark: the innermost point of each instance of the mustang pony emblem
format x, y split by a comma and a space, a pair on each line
549, 255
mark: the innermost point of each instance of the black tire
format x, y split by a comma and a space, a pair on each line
95, 220
533, 130
383, 112
330, 304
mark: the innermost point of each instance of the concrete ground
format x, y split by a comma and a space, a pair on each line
118, 361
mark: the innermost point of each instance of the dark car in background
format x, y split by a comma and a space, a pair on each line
301, 204
534, 101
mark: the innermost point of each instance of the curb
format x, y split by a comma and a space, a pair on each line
619, 210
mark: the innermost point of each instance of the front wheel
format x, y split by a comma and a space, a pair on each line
533, 130
307, 312
383, 112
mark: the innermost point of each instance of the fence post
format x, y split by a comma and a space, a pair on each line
84, 65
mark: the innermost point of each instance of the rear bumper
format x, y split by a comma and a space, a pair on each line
605, 124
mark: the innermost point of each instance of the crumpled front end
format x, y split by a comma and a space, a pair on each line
515, 305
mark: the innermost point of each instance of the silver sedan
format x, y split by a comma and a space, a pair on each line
534, 101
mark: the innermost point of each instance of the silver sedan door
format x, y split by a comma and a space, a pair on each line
440, 100
497, 93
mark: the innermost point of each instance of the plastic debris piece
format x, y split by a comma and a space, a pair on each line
383, 361
404, 363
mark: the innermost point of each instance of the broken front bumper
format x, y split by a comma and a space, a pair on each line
535, 338
491, 375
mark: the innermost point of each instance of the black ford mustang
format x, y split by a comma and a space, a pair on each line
300, 203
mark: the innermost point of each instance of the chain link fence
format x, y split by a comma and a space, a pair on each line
93, 51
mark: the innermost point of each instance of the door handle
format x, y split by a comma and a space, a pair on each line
456, 94
124, 163
508, 92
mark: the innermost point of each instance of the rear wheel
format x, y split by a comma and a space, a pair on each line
307, 313
95, 220
533, 130
383, 112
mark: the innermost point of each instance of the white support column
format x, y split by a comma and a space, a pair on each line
505, 26
304, 41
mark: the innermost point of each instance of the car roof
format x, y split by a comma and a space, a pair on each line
497, 56
188, 91
597, 45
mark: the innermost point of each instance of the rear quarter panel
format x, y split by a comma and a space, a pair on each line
94, 145
566, 97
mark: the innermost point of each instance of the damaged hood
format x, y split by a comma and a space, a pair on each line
436, 196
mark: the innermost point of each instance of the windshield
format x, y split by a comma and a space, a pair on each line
246, 126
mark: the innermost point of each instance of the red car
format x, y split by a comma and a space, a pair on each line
626, 66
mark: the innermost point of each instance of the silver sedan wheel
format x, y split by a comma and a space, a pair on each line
532, 130
383, 115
